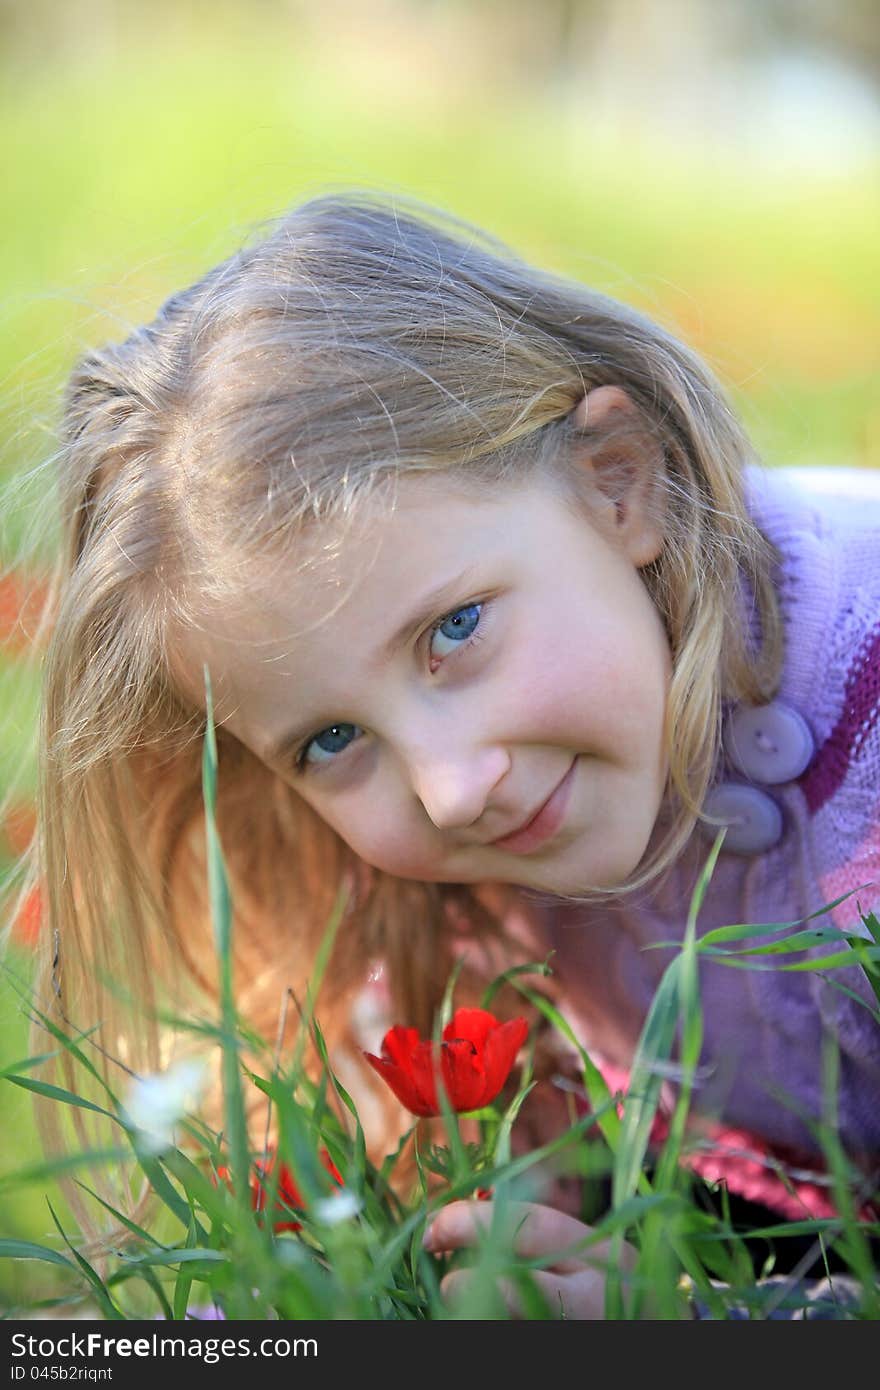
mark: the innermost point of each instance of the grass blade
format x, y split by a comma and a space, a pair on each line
221, 916
27, 1250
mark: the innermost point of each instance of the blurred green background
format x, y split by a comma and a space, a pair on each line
715, 164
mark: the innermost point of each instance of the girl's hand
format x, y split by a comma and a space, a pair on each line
573, 1285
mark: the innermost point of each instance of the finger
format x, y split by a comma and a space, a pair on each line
579, 1297
534, 1232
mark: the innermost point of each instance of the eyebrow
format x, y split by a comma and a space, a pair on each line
429, 605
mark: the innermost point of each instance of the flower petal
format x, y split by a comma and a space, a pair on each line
502, 1045
473, 1024
406, 1066
399, 1044
399, 1081
425, 1065
464, 1075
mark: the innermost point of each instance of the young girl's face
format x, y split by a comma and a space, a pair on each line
469, 687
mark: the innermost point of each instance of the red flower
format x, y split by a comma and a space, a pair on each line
26, 927
288, 1197
476, 1056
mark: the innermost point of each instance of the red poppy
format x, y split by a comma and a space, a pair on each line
476, 1057
26, 927
288, 1197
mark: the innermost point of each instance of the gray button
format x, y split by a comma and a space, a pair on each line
754, 818
768, 743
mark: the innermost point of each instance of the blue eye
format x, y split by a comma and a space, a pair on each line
455, 628
330, 741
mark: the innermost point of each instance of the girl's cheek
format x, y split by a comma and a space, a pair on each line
404, 850
385, 841
555, 697
404, 857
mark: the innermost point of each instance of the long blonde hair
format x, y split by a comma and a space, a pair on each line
353, 341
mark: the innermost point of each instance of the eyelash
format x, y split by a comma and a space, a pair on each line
302, 767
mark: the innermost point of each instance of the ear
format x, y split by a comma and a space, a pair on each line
623, 469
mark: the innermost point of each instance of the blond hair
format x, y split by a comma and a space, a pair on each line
353, 342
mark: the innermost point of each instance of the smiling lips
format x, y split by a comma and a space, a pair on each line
543, 824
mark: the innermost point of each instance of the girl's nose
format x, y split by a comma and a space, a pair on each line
455, 788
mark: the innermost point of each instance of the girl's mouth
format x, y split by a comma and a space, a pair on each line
544, 823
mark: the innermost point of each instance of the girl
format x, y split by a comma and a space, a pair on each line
502, 620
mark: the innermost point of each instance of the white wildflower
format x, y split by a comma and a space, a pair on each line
338, 1207
155, 1104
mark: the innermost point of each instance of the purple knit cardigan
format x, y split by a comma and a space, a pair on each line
761, 1064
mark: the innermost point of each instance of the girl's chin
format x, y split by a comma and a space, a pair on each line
578, 873
565, 874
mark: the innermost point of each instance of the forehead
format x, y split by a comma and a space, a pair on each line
337, 576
